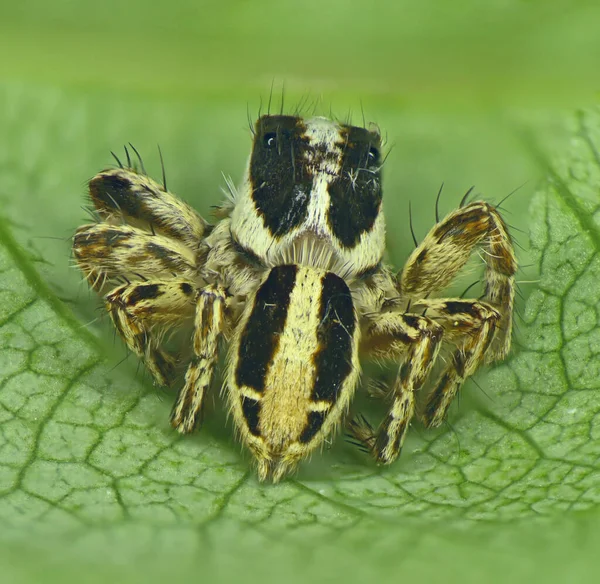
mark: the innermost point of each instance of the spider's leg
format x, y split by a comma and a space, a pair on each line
122, 195
469, 325
446, 249
142, 312
208, 326
416, 339
108, 253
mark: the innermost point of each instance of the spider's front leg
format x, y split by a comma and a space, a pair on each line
445, 250
108, 254
415, 340
141, 312
208, 327
124, 195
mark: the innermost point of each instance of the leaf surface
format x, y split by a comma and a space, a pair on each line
91, 474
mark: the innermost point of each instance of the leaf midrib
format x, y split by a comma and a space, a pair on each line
42, 290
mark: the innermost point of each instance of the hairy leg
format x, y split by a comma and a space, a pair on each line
108, 253
446, 249
417, 340
124, 195
141, 312
470, 325
208, 326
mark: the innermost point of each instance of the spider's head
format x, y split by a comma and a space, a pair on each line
314, 181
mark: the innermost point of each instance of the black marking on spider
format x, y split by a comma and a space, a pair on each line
96, 241
260, 337
251, 409
368, 271
250, 257
356, 193
454, 307
144, 292
281, 179
186, 288
313, 425
333, 358
114, 192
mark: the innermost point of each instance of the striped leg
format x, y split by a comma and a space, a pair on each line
208, 326
123, 194
107, 254
442, 254
471, 326
142, 312
417, 339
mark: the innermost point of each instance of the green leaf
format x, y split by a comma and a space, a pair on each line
92, 479
87, 459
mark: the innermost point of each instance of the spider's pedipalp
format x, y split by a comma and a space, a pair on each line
142, 312
445, 250
208, 326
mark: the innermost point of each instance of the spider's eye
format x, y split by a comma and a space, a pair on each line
374, 155
270, 140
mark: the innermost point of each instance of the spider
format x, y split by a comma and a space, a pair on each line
291, 277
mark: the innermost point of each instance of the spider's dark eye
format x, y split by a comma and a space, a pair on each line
374, 155
270, 140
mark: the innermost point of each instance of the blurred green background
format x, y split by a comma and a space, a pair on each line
454, 87
466, 92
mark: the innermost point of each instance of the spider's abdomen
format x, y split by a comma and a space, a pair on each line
294, 364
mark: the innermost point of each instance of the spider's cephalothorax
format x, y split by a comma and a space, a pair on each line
312, 179
291, 277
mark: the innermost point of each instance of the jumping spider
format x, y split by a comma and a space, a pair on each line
291, 276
